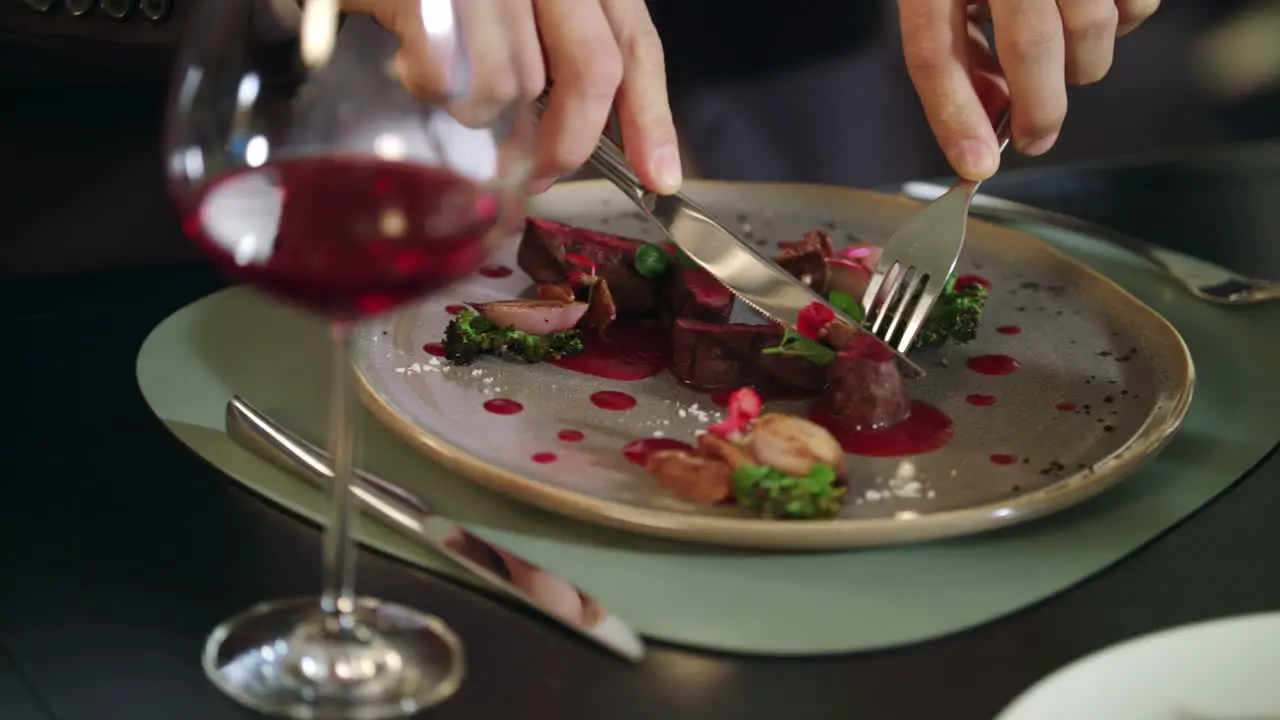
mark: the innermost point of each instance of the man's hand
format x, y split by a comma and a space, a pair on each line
1043, 45
599, 52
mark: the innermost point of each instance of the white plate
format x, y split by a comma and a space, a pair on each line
1226, 669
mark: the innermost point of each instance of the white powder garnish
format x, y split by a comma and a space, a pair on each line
657, 433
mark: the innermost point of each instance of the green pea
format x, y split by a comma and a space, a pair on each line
652, 261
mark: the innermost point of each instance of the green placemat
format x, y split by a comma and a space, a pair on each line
234, 342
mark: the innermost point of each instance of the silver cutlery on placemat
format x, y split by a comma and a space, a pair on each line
1201, 278
258, 434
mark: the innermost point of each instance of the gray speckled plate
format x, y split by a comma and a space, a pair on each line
1104, 383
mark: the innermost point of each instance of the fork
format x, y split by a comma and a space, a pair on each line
917, 261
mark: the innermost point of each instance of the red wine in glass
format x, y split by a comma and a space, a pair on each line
327, 182
346, 237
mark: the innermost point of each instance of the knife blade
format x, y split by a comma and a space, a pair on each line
754, 278
751, 276
260, 435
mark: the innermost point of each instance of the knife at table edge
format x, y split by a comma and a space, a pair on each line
258, 434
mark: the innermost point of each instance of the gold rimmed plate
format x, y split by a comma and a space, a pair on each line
1101, 384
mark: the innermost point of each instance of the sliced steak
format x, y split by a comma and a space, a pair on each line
806, 259
546, 242
713, 357
694, 293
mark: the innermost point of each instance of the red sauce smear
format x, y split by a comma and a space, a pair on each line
629, 351
503, 406
966, 280
925, 430
994, 364
613, 400
638, 452
494, 271
982, 400
1004, 458
1009, 330
1065, 407
571, 436
454, 309
543, 458
436, 349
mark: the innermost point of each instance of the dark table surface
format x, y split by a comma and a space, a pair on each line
120, 549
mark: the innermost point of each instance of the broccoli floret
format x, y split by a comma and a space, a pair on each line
774, 494
955, 316
469, 335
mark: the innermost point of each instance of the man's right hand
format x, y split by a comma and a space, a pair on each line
600, 52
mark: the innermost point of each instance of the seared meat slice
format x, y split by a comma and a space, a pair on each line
695, 293
546, 243
713, 357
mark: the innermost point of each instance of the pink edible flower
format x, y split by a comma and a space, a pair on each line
854, 253
744, 407
812, 319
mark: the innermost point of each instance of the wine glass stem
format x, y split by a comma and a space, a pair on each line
337, 598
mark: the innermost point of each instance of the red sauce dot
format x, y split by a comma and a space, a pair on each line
926, 429
638, 452
544, 457
494, 271
613, 400
994, 364
1009, 330
571, 436
454, 309
982, 400
1065, 407
965, 280
436, 349
1004, 458
503, 406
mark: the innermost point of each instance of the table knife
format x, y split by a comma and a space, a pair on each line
257, 433
751, 276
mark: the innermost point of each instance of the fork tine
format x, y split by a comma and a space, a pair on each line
904, 304
892, 283
928, 299
869, 295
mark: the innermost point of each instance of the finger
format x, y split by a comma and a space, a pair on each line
985, 75
583, 58
526, 51
423, 65
935, 39
1089, 30
486, 81
1029, 42
644, 110
1133, 13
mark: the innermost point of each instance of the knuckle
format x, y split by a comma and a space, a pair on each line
600, 74
1033, 41
1091, 18
927, 52
1135, 11
644, 47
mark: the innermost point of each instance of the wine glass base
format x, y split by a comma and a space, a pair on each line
284, 658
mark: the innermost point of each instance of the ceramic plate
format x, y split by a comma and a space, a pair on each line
1102, 385
1219, 670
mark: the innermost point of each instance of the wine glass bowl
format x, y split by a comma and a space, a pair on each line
347, 186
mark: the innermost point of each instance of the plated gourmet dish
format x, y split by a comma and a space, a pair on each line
619, 307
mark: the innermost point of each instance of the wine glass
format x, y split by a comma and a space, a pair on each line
304, 166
